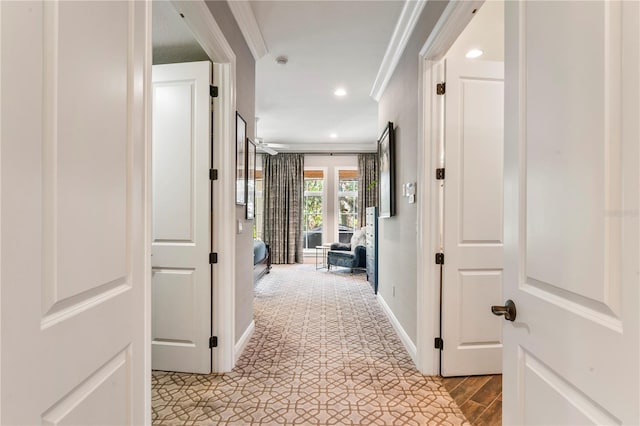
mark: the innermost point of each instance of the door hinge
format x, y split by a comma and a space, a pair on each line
438, 343
440, 88
213, 91
213, 258
440, 174
439, 258
213, 174
213, 341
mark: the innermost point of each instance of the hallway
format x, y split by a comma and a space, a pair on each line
323, 352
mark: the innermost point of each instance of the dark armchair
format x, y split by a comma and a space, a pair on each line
353, 255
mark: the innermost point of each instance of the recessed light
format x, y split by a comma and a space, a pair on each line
340, 92
474, 53
282, 60
333, 136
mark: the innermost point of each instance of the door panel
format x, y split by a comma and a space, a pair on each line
73, 216
473, 235
181, 277
571, 213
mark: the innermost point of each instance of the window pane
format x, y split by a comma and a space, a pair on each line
347, 204
313, 208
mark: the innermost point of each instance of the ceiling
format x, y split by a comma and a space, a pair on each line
484, 32
329, 44
172, 40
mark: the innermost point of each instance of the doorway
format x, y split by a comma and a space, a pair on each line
192, 300
462, 223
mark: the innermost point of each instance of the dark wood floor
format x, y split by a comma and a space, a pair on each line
479, 398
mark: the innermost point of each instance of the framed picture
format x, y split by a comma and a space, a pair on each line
386, 158
251, 179
241, 141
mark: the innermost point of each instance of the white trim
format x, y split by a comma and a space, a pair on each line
325, 147
404, 337
244, 340
206, 31
451, 23
241, 10
148, 203
399, 39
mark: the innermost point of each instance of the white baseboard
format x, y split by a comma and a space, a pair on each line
244, 340
404, 337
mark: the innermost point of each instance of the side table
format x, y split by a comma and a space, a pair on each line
322, 251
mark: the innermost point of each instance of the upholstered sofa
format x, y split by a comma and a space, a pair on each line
352, 255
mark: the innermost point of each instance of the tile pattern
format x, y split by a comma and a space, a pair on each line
479, 398
323, 353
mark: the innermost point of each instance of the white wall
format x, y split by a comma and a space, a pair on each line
330, 164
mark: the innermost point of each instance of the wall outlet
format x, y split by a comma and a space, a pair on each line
393, 291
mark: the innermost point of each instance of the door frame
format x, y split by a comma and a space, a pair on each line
450, 25
207, 32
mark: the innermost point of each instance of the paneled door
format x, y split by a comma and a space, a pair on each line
181, 236
571, 211
473, 234
74, 253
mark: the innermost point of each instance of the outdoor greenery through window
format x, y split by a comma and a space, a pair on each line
347, 204
258, 225
313, 208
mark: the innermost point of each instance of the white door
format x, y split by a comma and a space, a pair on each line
74, 252
181, 274
473, 235
571, 213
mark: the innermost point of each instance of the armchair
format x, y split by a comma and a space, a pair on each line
353, 255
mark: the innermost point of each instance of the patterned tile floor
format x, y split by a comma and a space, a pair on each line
323, 353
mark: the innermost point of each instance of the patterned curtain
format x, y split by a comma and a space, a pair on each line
283, 209
367, 184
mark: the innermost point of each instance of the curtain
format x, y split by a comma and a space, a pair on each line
367, 184
283, 179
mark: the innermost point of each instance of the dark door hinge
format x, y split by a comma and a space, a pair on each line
438, 343
213, 174
440, 174
439, 258
213, 91
440, 88
213, 258
213, 341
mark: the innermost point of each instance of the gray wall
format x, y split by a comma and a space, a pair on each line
245, 104
397, 236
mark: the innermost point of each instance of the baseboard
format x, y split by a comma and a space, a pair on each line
244, 340
404, 337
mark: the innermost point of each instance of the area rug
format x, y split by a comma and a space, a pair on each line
323, 353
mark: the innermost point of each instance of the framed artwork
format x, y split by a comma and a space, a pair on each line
241, 141
386, 154
251, 179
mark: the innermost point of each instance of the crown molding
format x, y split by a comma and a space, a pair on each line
242, 12
326, 148
399, 39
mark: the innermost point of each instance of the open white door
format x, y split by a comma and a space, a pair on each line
571, 211
74, 252
181, 274
473, 226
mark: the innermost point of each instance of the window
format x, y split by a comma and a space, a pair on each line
313, 208
347, 204
258, 227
